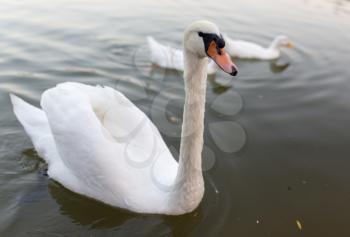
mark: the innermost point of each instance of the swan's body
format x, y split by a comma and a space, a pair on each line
168, 57
249, 50
96, 141
99, 144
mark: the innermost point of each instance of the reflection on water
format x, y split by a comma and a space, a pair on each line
86, 211
276, 144
277, 67
95, 215
217, 87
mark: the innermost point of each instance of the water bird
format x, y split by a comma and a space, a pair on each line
97, 143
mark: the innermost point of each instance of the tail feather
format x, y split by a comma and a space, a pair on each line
154, 48
36, 126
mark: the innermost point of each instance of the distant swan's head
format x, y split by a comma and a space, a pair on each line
282, 41
203, 39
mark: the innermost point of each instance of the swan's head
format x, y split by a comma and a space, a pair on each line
203, 39
283, 41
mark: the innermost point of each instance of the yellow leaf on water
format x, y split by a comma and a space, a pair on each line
299, 224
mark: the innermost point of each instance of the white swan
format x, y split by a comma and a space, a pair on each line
99, 144
168, 57
250, 50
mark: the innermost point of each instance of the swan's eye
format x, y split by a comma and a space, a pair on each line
200, 34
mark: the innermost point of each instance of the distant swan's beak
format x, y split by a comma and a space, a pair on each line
222, 59
290, 45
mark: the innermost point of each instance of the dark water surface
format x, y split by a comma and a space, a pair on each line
277, 137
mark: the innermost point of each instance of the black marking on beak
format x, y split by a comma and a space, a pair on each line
234, 71
209, 37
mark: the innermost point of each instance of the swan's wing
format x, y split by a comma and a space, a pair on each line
37, 127
105, 140
165, 56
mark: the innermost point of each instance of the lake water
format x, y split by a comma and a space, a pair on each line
277, 137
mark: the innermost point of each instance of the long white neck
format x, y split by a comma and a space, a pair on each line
275, 44
189, 186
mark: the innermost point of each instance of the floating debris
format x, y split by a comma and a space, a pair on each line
299, 224
257, 221
173, 119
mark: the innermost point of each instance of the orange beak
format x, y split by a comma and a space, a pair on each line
222, 59
290, 45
